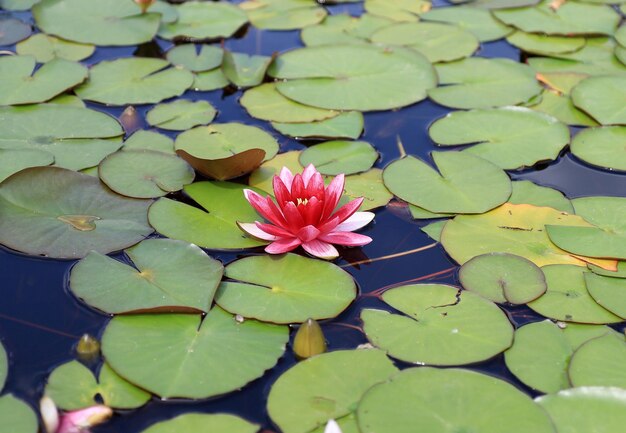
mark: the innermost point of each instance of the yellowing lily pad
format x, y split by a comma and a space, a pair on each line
526, 192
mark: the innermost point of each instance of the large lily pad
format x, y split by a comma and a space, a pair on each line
46, 48
324, 387
283, 14
478, 21
464, 184
21, 84
16, 416
200, 20
515, 229
602, 147
568, 299
14, 160
335, 157
198, 357
603, 98
443, 326
181, 114
215, 228
285, 289
111, 22
73, 386
347, 125
449, 401
608, 292
134, 81
598, 362
170, 276
510, 137
353, 77
484, 83
63, 214
201, 422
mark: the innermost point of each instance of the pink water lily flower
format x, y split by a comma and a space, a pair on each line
304, 215
76, 421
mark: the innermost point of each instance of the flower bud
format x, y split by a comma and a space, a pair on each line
309, 340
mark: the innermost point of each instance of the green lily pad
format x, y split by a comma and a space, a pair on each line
13, 30
196, 58
21, 84
436, 41
370, 186
347, 125
603, 98
526, 192
45, 48
4, 366
510, 137
545, 44
199, 20
398, 10
498, 4
134, 80
606, 239
608, 292
433, 230
210, 80
261, 178
480, 22
568, 299
449, 401
200, 423
569, 18
335, 157
112, 22
502, 277
285, 289
145, 173
443, 326
169, 276
541, 352
484, 83
586, 409
16, 416
181, 115
149, 140
562, 108
17, 5
59, 213
244, 70
353, 77
214, 228
464, 184
516, 229
266, 103
14, 160
343, 29
199, 357
619, 273
73, 386
599, 362
327, 386
283, 14
601, 147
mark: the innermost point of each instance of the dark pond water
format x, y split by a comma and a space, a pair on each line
40, 322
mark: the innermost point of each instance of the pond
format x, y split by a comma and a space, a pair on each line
402, 292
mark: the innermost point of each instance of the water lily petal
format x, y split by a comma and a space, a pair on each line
332, 427
333, 194
283, 246
265, 207
79, 421
297, 187
312, 211
274, 230
328, 225
348, 239
286, 176
294, 220
320, 249
308, 173
355, 222
254, 230
348, 209
49, 414
281, 192
315, 187
308, 233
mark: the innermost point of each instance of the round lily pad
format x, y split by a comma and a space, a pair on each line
73, 386
111, 22
602, 147
202, 423
541, 352
353, 77
343, 29
46, 48
502, 277
13, 30
464, 183
599, 362
510, 137
198, 357
14, 160
324, 387
515, 229
283, 14
196, 58
59, 213
603, 98
335, 157
21, 84
586, 409
266, 103
478, 21
545, 44
16, 416
484, 83
436, 41
199, 20
149, 140
443, 326
608, 292
134, 80
449, 401
568, 299
145, 173
347, 125
181, 114
215, 228
370, 186
285, 289
169, 275
526, 192
244, 70
209, 80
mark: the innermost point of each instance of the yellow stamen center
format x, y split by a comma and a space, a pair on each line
302, 201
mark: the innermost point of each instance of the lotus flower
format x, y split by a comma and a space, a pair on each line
304, 215
77, 421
